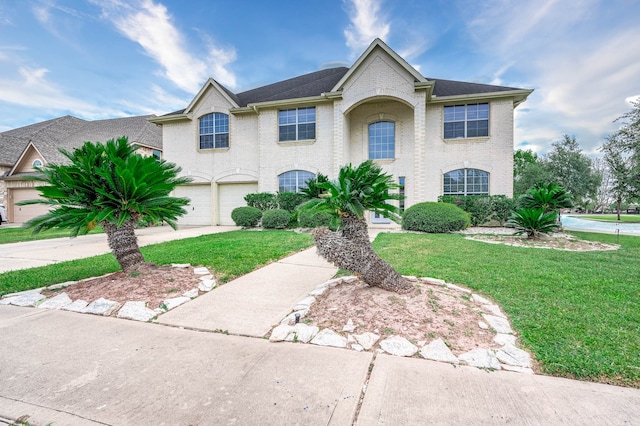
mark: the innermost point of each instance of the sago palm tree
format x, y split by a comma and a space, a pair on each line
550, 197
348, 197
109, 185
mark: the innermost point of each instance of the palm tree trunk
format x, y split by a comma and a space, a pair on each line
350, 249
124, 244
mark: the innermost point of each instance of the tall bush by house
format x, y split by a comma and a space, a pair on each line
261, 200
276, 219
247, 217
435, 218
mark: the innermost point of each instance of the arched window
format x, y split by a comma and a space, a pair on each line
37, 163
294, 180
466, 182
214, 131
382, 140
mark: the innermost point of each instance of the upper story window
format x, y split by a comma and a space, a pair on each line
466, 121
37, 163
382, 140
214, 131
294, 180
297, 124
466, 182
156, 154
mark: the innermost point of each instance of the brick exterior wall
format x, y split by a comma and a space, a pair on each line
380, 89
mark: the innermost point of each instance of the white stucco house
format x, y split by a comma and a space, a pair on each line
434, 136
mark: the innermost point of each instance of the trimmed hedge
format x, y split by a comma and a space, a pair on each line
275, 219
308, 219
435, 218
247, 217
261, 200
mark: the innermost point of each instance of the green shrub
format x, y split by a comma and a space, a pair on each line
309, 219
289, 200
247, 217
482, 208
435, 218
261, 200
502, 207
533, 222
275, 219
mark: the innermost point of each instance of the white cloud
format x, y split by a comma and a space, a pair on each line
366, 25
151, 25
32, 89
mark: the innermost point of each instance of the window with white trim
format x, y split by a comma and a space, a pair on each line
294, 180
37, 163
214, 131
297, 124
382, 140
466, 182
466, 121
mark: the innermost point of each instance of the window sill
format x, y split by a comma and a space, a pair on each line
212, 150
383, 160
481, 139
297, 143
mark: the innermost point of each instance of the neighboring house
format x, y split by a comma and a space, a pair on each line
24, 148
434, 136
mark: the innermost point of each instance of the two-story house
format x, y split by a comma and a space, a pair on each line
434, 136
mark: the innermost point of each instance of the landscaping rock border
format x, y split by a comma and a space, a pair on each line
508, 358
133, 310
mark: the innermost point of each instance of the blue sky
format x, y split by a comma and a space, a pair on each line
99, 59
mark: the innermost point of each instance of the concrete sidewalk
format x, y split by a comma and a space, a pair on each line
73, 369
30, 254
253, 303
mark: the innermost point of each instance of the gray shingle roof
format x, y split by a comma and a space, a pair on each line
70, 132
453, 88
312, 84
316, 83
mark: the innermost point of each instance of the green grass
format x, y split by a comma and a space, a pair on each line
229, 254
626, 218
16, 235
578, 312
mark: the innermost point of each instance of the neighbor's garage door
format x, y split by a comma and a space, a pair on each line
230, 196
24, 213
199, 209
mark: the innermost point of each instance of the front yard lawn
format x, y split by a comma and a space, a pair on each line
16, 235
229, 254
578, 312
625, 218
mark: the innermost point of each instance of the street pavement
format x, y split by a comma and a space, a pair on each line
79, 369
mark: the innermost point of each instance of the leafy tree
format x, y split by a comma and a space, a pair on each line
111, 185
355, 191
569, 167
622, 155
528, 171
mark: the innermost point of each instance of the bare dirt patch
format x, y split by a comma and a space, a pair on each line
152, 284
427, 313
557, 241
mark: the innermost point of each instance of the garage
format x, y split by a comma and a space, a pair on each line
199, 209
230, 196
22, 214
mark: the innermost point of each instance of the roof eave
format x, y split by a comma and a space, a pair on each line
169, 118
519, 96
254, 107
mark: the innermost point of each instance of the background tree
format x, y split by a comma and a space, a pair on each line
111, 185
604, 197
622, 156
569, 167
528, 171
355, 191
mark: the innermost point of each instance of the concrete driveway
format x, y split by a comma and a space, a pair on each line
45, 252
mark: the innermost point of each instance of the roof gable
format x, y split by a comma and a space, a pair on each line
211, 83
378, 44
24, 163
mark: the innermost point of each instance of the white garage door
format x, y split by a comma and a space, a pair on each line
199, 209
230, 196
24, 213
